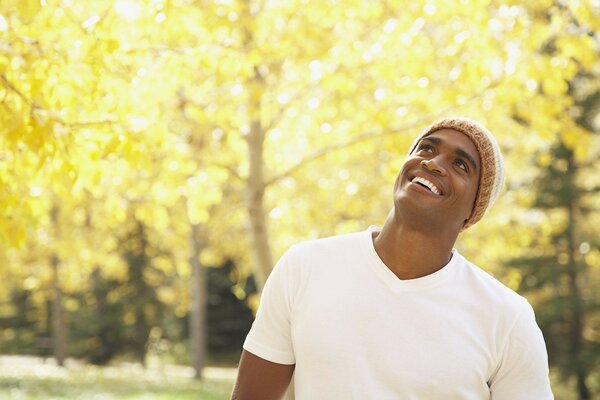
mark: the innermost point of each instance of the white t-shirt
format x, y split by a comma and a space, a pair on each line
356, 331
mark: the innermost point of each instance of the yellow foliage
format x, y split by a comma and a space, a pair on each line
513, 279
142, 114
554, 86
71, 304
129, 318
544, 160
167, 295
578, 48
593, 260
28, 9
196, 213
209, 257
578, 139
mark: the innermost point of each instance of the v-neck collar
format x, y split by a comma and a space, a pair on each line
406, 285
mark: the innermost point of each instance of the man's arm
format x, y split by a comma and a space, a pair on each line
259, 379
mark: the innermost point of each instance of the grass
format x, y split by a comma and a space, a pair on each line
33, 378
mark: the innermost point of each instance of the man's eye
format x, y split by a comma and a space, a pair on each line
462, 165
425, 147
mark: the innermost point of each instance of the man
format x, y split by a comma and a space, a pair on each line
396, 312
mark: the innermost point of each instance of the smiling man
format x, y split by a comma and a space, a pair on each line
397, 312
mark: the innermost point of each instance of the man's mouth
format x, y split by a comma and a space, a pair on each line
427, 184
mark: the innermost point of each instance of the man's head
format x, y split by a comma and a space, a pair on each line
491, 174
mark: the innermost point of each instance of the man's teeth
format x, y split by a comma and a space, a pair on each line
430, 185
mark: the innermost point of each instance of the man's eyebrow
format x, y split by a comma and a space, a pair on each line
467, 156
433, 140
459, 152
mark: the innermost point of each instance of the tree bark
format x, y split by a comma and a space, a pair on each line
198, 309
262, 260
58, 318
577, 311
59, 330
261, 250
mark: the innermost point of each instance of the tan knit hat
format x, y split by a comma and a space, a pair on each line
491, 177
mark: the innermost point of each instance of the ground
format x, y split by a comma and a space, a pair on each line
29, 378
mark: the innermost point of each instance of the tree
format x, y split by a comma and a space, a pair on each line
259, 124
555, 270
228, 316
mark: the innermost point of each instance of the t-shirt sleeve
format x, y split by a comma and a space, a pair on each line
523, 369
270, 336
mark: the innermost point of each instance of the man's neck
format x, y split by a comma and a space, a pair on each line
411, 253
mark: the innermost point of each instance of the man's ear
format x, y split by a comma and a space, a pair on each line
465, 223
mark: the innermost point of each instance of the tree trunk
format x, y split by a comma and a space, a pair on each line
261, 250
578, 323
262, 260
198, 309
58, 318
59, 330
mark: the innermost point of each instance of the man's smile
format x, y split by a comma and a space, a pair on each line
427, 184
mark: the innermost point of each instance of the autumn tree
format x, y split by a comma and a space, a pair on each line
232, 129
556, 268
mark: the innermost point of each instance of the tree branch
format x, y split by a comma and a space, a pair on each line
7, 84
363, 137
231, 170
51, 114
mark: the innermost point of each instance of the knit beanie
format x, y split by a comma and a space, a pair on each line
491, 175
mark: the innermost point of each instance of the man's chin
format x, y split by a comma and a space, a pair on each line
422, 217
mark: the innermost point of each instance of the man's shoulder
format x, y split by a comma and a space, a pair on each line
343, 242
492, 289
329, 255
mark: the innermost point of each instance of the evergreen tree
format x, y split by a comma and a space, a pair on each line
96, 326
555, 271
228, 317
142, 308
20, 333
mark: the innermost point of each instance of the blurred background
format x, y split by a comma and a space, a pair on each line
157, 157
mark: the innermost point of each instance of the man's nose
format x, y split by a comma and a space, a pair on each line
434, 165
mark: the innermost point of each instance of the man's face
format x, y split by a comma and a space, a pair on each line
440, 178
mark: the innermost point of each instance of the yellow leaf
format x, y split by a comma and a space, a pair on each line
554, 86
112, 145
160, 218
28, 9
544, 160
197, 213
111, 45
